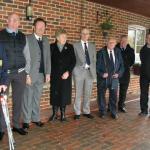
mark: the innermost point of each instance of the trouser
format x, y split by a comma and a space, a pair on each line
83, 87
122, 94
18, 83
102, 100
144, 89
31, 100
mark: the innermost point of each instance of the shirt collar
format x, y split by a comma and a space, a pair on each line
84, 42
11, 31
37, 37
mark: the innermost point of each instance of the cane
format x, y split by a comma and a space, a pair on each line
3, 100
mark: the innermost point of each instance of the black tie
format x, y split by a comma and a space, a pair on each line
87, 55
111, 62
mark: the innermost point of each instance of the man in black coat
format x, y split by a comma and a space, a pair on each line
128, 59
145, 76
109, 67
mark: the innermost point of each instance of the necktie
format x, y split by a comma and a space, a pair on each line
87, 54
111, 62
13, 34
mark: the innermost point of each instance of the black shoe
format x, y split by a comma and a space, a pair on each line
76, 117
114, 116
1, 135
88, 116
63, 115
21, 131
122, 109
102, 116
25, 125
39, 123
54, 115
143, 114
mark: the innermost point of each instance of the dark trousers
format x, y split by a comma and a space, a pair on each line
123, 87
18, 83
102, 100
144, 89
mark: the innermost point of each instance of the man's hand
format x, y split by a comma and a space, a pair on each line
115, 76
65, 75
3, 87
28, 80
105, 75
47, 79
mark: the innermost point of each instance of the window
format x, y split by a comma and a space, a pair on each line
136, 37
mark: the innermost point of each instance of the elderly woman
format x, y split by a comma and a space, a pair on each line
62, 63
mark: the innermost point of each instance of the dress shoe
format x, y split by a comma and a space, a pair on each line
39, 123
25, 125
54, 115
21, 131
102, 116
143, 113
88, 116
122, 109
1, 135
114, 116
76, 117
63, 116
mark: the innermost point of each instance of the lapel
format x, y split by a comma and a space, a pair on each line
35, 43
81, 51
116, 59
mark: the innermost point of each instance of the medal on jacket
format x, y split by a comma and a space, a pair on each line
1, 63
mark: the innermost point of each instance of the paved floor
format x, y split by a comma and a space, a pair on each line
129, 132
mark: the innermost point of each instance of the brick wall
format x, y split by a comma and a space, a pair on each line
72, 15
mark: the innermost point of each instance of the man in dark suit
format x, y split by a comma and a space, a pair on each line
128, 59
3, 81
109, 68
145, 76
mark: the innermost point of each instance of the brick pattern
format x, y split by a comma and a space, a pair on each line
72, 15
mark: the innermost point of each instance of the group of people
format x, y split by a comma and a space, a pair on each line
29, 61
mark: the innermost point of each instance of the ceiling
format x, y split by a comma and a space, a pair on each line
136, 6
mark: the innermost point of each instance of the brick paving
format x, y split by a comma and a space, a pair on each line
129, 132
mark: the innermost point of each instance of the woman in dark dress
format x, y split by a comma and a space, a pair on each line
62, 63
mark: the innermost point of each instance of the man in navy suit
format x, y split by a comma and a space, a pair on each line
109, 68
3, 79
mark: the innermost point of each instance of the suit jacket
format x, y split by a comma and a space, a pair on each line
128, 57
103, 63
80, 59
35, 54
3, 66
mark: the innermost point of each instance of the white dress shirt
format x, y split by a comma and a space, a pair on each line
83, 45
113, 54
38, 37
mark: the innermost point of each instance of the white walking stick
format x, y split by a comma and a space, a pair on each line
3, 101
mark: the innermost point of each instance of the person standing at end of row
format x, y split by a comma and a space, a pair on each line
18, 55
3, 80
145, 76
84, 73
39, 73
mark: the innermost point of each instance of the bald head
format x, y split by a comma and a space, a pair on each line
85, 34
13, 21
111, 43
